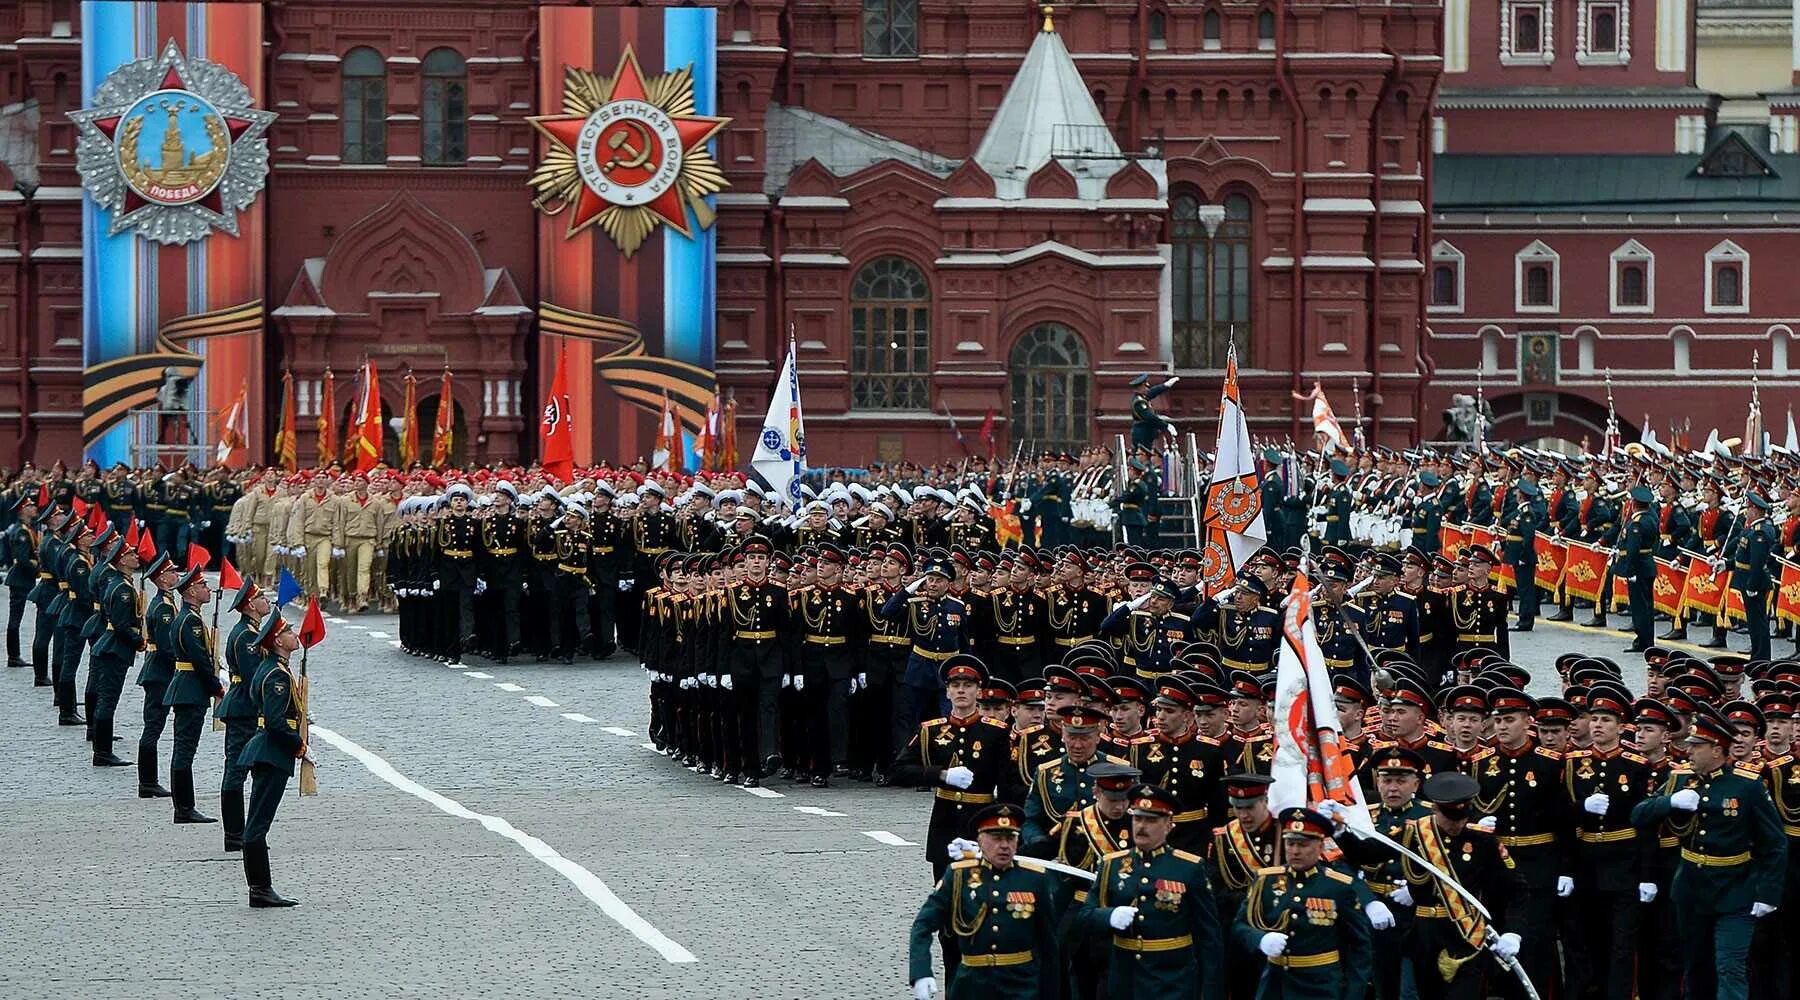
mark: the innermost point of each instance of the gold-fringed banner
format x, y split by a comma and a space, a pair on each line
631, 370
112, 389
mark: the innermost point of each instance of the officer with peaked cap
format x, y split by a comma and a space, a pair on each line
194, 686
1304, 919
158, 670
1749, 554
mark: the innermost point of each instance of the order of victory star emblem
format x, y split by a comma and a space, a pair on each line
172, 147
629, 154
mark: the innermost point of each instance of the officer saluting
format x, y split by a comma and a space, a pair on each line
1733, 856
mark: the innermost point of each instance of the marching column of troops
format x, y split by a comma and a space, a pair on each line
83, 587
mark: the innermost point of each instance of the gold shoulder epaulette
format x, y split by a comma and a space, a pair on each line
1635, 758
1177, 615
965, 863
1271, 871
1047, 765
1112, 759
1549, 754
1576, 754
1440, 745
928, 723
1751, 770
1116, 854
1483, 754
1186, 856
1338, 876
1032, 866
1027, 731
996, 723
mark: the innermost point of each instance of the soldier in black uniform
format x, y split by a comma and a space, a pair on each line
505, 548
831, 622
279, 741
1478, 612
610, 537
569, 584
217, 498
458, 539
157, 672
653, 531
1186, 764
1011, 625
21, 549
756, 614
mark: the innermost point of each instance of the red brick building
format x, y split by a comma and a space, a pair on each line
954, 209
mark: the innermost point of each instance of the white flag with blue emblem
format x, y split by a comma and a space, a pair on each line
781, 447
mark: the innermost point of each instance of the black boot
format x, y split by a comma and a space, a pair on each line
66, 700
1718, 640
1674, 633
148, 787
1598, 621
103, 746
87, 702
231, 811
183, 782
256, 872
1561, 614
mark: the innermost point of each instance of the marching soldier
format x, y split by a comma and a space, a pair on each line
1398, 772
1243, 849
458, 539
1477, 611
1605, 783
1082, 840
280, 740
612, 557
193, 687
1306, 920
830, 618
935, 625
1062, 786
46, 593
1187, 765
757, 613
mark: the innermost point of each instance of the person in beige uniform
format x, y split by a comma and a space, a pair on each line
240, 527
272, 524
316, 534
365, 520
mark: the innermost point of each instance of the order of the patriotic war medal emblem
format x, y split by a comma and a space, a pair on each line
172, 148
629, 154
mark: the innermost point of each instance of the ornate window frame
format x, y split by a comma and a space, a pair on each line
1537, 252
1584, 13
1444, 254
1632, 252
1727, 252
1546, 52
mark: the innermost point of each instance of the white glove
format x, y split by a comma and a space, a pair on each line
1507, 945
725, 681
1332, 810
1170, 382
862, 681
1597, 803
1380, 917
1272, 944
913, 587
299, 550
1137, 602
1122, 916
787, 680
281, 550
925, 989
1686, 800
855, 685
480, 587
1402, 896
961, 848
524, 586
1487, 824
1565, 886
436, 585
380, 552
625, 585
959, 778
1760, 910
337, 553
799, 683
1646, 892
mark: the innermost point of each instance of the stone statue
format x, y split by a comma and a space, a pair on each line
1465, 420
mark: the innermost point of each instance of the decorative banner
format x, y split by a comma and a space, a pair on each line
1787, 598
1665, 593
1704, 590
666, 286
1583, 570
1551, 552
172, 157
173, 148
1452, 538
630, 370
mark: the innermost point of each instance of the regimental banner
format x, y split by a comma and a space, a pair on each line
173, 160
1551, 553
1704, 589
1451, 539
1671, 580
1787, 599
627, 180
1584, 570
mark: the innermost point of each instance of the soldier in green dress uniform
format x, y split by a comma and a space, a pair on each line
192, 688
115, 648
1156, 905
1061, 786
238, 709
1306, 920
279, 741
158, 670
1001, 916
1733, 857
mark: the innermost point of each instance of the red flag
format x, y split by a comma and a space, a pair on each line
327, 420
368, 429
728, 455
43, 495
228, 575
443, 434
409, 427
312, 627
97, 518
197, 555
987, 433
131, 534
555, 429
146, 548
80, 507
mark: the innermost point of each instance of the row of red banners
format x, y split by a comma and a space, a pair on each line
1685, 584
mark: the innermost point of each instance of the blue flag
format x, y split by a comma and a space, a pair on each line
286, 588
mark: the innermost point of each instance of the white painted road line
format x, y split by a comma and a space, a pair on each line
817, 811
378, 635
541, 701
577, 717
478, 675
338, 621
883, 837
504, 686
394, 643
648, 746
616, 731
765, 793
584, 881
359, 628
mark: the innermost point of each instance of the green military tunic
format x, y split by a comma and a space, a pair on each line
1329, 955
1172, 951
1004, 922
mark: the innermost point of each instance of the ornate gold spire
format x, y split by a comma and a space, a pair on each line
1049, 23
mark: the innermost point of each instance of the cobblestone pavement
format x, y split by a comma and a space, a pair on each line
425, 879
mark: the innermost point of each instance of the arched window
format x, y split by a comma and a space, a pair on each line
1443, 285
1159, 30
1212, 280
890, 27
1265, 29
446, 108
1211, 30
890, 337
1728, 285
1050, 379
364, 113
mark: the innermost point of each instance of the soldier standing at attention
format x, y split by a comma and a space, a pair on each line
280, 740
458, 545
569, 584
504, 546
1305, 920
21, 546
157, 672
1733, 856
831, 617
1755, 541
756, 614
43, 594
1636, 564
998, 914
611, 553
238, 708
1156, 905
116, 648
193, 687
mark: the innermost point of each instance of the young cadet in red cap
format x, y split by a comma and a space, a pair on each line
1659, 955
1305, 921
886, 721
1075, 610
1612, 874
995, 918
1403, 721
1478, 612
1034, 746
1733, 857
962, 757
1186, 765
1130, 708
1154, 903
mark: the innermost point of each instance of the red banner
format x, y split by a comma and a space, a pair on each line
1584, 568
1621, 594
1451, 539
1670, 579
1502, 574
1703, 590
1550, 556
1787, 599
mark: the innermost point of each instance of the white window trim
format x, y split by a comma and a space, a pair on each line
1546, 53
1443, 253
1634, 252
1622, 30
1728, 252
1538, 252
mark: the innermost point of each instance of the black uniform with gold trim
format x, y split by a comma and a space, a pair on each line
979, 744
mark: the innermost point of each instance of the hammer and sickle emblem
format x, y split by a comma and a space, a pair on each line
624, 153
